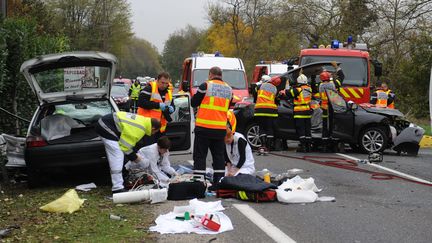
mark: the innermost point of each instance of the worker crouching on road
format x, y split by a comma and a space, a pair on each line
155, 158
238, 155
155, 101
266, 111
120, 132
302, 95
383, 97
212, 98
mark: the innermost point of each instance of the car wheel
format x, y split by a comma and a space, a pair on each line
252, 135
372, 140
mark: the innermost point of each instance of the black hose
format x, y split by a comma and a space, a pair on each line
13, 115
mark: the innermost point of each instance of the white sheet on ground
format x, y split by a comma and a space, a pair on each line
167, 224
299, 190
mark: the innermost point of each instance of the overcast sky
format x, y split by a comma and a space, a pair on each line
155, 20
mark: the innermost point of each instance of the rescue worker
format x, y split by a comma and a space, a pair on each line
238, 155
264, 78
155, 158
302, 95
213, 100
338, 75
155, 101
134, 92
383, 97
232, 121
120, 132
326, 84
266, 111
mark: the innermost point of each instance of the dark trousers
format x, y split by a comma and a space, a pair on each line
217, 150
303, 128
266, 126
325, 127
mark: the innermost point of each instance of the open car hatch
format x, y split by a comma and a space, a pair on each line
72, 75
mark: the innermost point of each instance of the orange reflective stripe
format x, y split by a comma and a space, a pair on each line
232, 120
213, 109
156, 113
266, 97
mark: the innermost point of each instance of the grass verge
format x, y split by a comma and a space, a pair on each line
20, 206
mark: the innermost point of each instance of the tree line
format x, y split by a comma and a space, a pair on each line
398, 34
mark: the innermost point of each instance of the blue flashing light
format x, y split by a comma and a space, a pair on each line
335, 44
285, 62
194, 54
218, 54
315, 46
262, 62
350, 39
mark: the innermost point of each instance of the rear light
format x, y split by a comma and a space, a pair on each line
33, 141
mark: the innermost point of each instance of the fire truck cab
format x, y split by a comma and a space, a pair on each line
355, 63
196, 68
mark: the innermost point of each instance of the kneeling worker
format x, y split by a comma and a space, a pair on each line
156, 158
238, 155
120, 131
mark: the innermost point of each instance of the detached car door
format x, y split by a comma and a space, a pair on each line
180, 129
341, 117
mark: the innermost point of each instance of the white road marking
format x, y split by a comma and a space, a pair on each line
191, 162
272, 231
388, 169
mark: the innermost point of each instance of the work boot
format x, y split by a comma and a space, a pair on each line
308, 144
325, 143
270, 144
302, 146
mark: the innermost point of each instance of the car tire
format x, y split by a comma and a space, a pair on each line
373, 140
252, 135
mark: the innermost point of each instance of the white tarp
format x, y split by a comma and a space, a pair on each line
167, 224
299, 190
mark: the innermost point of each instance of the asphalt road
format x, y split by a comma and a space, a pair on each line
366, 210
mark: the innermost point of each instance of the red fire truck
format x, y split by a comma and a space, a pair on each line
355, 63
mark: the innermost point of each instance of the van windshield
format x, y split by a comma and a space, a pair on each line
354, 68
235, 78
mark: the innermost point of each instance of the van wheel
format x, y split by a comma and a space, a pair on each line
372, 140
252, 135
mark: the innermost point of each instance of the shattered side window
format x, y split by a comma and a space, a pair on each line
338, 103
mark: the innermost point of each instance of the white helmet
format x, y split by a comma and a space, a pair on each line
152, 79
302, 79
265, 78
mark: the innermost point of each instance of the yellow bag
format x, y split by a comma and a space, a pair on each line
69, 202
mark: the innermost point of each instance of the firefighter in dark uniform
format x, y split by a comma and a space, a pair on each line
302, 95
213, 99
266, 111
326, 84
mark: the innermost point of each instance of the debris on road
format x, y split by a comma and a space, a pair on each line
299, 190
85, 187
152, 195
68, 203
205, 218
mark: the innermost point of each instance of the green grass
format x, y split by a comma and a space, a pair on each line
91, 223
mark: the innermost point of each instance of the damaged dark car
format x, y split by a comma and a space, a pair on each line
364, 127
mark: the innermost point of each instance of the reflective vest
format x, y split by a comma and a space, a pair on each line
382, 98
391, 106
171, 87
132, 128
265, 104
302, 101
323, 95
135, 91
212, 112
314, 102
156, 113
232, 120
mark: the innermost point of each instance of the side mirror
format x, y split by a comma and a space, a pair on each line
377, 68
185, 86
352, 105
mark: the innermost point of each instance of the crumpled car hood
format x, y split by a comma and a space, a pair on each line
383, 111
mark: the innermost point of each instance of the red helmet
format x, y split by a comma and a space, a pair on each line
325, 76
276, 81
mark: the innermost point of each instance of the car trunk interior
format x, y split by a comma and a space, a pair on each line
57, 127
